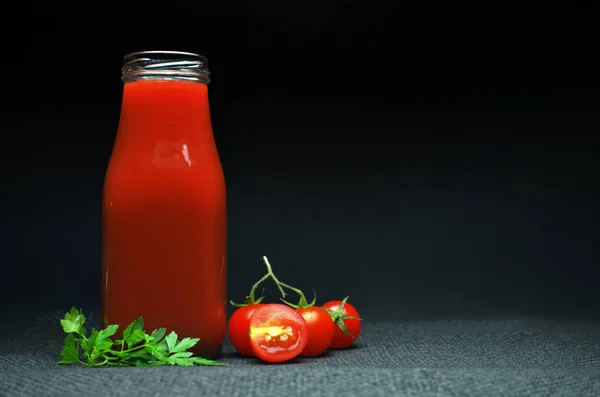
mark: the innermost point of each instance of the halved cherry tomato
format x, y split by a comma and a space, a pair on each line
238, 328
320, 330
353, 325
277, 333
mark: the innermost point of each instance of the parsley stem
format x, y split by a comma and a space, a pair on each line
138, 347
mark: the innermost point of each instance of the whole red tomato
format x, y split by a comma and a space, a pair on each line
239, 327
345, 316
320, 330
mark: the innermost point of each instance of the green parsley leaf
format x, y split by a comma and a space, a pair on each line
180, 358
69, 353
134, 333
158, 334
185, 344
73, 321
205, 361
171, 340
87, 344
105, 334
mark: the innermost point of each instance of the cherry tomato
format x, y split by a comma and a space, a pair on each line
320, 330
341, 340
239, 327
277, 333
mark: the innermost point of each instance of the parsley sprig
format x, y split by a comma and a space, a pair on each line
137, 348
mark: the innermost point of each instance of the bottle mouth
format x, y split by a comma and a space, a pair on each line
169, 65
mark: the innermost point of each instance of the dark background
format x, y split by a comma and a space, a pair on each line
427, 158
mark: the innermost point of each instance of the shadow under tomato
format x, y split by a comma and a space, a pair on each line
302, 360
235, 354
293, 361
297, 360
351, 347
327, 353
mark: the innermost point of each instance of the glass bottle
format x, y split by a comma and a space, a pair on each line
164, 204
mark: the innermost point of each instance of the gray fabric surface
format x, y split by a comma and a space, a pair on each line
526, 357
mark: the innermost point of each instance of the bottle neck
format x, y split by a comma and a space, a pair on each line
166, 65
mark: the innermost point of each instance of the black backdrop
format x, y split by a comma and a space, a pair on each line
426, 158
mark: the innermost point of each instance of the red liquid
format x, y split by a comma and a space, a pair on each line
164, 218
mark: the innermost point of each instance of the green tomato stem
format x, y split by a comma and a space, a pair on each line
251, 298
338, 317
281, 285
255, 287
